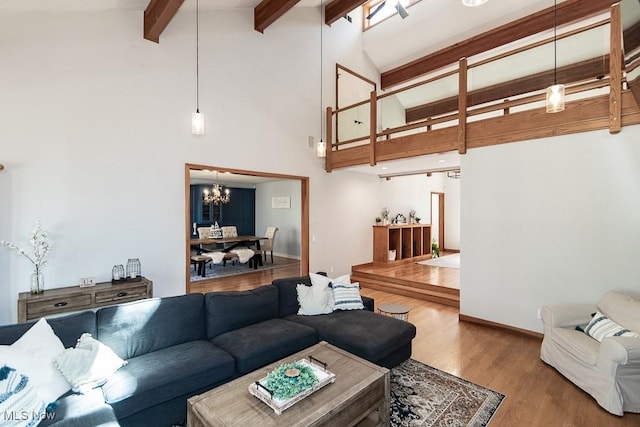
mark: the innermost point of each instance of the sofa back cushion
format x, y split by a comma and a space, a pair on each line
67, 328
622, 309
140, 327
288, 294
228, 311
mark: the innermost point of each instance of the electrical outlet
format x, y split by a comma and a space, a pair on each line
83, 281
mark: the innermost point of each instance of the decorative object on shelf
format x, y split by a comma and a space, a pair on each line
400, 219
555, 92
392, 255
385, 216
435, 249
41, 247
117, 273
378, 220
412, 216
418, 219
134, 269
216, 195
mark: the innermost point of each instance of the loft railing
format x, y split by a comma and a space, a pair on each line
472, 103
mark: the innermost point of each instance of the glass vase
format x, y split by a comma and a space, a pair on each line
37, 282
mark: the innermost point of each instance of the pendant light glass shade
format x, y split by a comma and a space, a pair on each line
321, 149
472, 3
555, 98
197, 123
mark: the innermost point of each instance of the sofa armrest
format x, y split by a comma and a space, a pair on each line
620, 350
567, 315
369, 303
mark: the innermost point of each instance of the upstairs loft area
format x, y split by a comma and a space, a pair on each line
495, 97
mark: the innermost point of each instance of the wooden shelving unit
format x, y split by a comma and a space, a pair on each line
410, 241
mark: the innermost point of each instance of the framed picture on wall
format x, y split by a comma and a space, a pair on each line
281, 202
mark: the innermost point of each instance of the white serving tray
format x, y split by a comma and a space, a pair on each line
324, 377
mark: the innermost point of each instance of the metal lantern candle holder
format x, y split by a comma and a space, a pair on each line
134, 270
117, 274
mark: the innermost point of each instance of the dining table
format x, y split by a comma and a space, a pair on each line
232, 242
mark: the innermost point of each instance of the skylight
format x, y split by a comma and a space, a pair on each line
378, 10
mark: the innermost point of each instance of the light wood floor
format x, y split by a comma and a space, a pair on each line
250, 280
537, 395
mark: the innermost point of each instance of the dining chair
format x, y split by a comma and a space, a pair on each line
205, 233
267, 245
229, 231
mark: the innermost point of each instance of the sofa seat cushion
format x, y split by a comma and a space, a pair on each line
363, 333
265, 342
81, 410
162, 375
577, 343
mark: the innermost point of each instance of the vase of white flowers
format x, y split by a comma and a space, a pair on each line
41, 248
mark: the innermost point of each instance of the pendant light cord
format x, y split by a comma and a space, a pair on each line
197, 56
321, 24
555, 42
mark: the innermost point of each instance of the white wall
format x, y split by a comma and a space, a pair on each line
549, 221
95, 132
287, 241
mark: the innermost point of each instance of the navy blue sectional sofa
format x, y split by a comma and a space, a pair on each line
177, 347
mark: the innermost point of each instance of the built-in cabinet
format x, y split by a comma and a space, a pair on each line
409, 241
240, 211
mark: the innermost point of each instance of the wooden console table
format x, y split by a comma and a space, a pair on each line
411, 242
75, 298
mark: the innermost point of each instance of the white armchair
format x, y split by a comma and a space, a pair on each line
609, 370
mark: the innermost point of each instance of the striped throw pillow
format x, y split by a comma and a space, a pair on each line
347, 297
601, 327
20, 405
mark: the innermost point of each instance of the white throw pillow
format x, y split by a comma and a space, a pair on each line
601, 327
314, 299
33, 354
20, 405
89, 364
347, 296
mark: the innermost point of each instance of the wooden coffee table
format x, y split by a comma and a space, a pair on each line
359, 393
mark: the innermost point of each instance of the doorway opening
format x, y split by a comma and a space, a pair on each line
437, 219
299, 200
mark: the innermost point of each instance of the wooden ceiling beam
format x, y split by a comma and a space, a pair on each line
568, 11
268, 11
585, 70
336, 9
157, 16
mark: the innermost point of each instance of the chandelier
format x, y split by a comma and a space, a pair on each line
217, 195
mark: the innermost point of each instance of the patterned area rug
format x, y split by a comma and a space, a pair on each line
424, 396
232, 269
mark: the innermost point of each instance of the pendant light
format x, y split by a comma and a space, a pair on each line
197, 118
555, 92
321, 146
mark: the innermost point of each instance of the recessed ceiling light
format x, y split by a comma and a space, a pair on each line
441, 160
472, 3
384, 168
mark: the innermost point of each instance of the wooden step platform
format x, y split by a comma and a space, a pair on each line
435, 284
